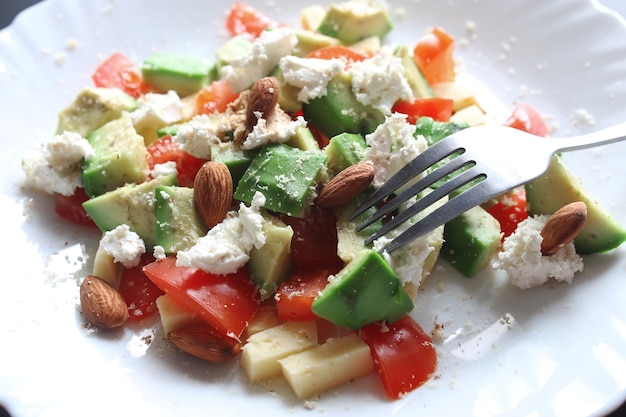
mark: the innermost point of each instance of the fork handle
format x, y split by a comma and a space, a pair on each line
615, 133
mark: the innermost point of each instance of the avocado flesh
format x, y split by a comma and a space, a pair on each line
350, 24
559, 186
182, 73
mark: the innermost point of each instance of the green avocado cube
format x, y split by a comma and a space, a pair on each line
365, 291
236, 159
284, 175
343, 150
182, 73
350, 21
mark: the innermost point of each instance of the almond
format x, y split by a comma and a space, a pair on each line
563, 227
346, 185
102, 304
213, 192
205, 343
262, 100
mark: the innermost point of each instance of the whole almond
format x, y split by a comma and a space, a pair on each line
346, 185
205, 343
102, 304
262, 100
563, 227
213, 192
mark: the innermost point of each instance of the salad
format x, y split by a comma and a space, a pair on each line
223, 187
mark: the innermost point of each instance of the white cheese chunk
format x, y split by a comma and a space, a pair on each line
197, 135
264, 133
157, 110
310, 75
124, 245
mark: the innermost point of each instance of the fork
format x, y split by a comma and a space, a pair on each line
470, 167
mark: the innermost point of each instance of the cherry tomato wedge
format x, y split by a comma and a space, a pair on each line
434, 56
226, 302
165, 150
243, 19
509, 210
295, 296
349, 56
118, 71
403, 354
439, 109
70, 207
527, 118
138, 291
215, 97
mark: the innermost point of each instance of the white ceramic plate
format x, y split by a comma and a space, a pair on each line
564, 353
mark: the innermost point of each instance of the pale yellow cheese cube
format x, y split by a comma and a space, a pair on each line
471, 115
261, 353
264, 318
105, 268
461, 95
311, 17
336, 362
174, 316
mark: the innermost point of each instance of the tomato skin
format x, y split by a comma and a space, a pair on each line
138, 291
403, 354
314, 242
433, 54
226, 302
165, 150
243, 19
118, 71
440, 109
527, 118
509, 210
349, 56
295, 296
71, 208
215, 97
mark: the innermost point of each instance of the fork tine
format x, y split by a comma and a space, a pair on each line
441, 172
460, 180
419, 164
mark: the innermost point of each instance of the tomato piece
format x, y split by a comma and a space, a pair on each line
527, 118
165, 150
243, 19
226, 302
138, 291
509, 210
215, 97
70, 207
433, 54
314, 242
118, 71
404, 355
439, 109
349, 56
295, 296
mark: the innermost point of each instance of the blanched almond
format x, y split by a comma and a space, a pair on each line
563, 227
205, 343
102, 304
213, 192
346, 185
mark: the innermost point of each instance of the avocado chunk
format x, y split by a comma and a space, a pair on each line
284, 175
92, 108
304, 140
270, 264
471, 240
414, 76
131, 204
236, 159
182, 73
178, 223
559, 186
339, 110
119, 158
352, 21
344, 150
366, 290
309, 41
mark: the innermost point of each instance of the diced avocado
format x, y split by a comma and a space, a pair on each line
309, 41
304, 140
233, 49
182, 73
236, 159
365, 291
434, 131
132, 204
471, 240
343, 150
270, 264
339, 110
351, 242
168, 131
413, 75
178, 223
352, 21
284, 175
120, 157
559, 186
287, 93
92, 108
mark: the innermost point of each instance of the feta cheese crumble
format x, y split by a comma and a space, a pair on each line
310, 75
124, 245
226, 247
157, 110
198, 135
56, 166
521, 257
276, 130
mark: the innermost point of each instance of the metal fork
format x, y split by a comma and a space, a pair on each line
474, 165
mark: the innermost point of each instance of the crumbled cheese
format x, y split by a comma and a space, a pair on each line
226, 247
124, 245
379, 81
157, 110
164, 170
198, 134
266, 52
159, 252
280, 132
56, 166
310, 75
521, 257
391, 146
